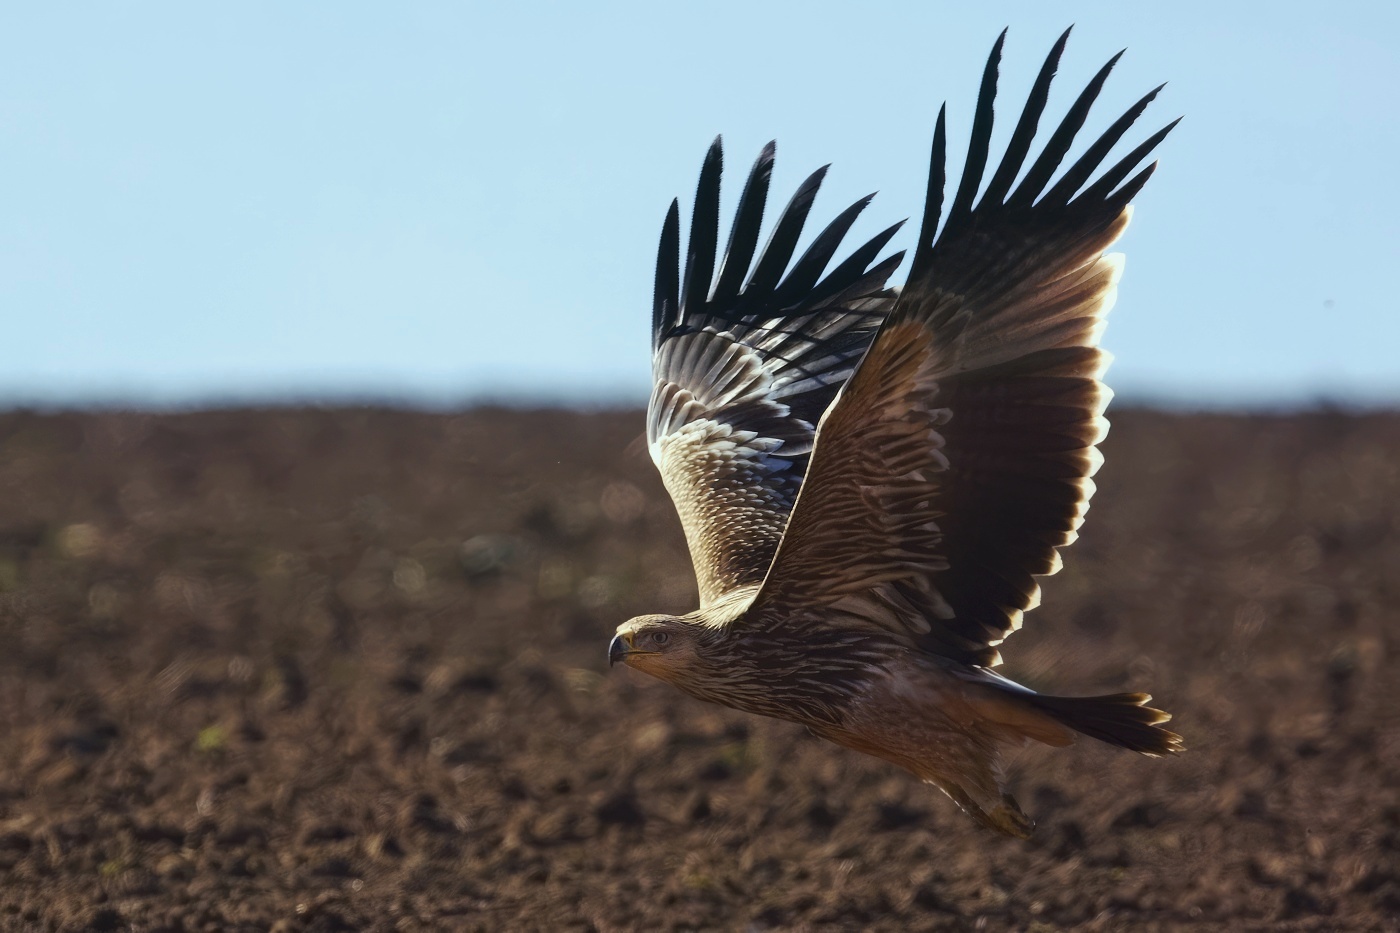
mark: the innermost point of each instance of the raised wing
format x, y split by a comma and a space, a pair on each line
957, 458
744, 370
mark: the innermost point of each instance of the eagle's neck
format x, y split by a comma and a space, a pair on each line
799, 672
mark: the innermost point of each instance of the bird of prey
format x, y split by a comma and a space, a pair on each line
870, 479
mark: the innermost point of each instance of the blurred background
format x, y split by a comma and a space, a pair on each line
324, 353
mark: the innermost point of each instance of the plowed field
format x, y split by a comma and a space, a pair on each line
345, 669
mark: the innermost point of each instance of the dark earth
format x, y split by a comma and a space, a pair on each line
346, 669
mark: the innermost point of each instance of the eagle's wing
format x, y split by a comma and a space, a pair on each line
743, 369
957, 458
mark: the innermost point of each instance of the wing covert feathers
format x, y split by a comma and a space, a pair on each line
959, 456
744, 367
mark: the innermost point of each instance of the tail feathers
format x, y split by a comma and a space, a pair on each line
1119, 719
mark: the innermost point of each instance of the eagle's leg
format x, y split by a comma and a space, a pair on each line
965, 765
1006, 816
968, 768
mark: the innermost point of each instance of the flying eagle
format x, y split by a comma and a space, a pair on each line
857, 576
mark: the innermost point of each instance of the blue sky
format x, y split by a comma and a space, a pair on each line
442, 202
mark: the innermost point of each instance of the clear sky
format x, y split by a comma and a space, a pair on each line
437, 202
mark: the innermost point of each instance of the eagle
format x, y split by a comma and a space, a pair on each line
872, 479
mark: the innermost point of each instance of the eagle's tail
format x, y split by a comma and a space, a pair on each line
1120, 719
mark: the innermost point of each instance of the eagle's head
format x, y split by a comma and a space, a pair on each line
660, 645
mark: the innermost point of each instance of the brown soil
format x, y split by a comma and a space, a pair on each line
332, 670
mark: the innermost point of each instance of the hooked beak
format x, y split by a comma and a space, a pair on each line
620, 647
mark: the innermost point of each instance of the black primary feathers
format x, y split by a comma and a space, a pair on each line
1030, 211
684, 303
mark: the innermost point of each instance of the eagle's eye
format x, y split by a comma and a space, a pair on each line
659, 639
